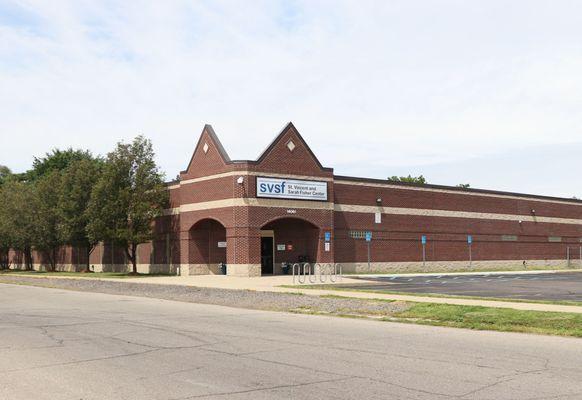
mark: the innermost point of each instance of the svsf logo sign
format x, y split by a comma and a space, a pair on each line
272, 188
291, 189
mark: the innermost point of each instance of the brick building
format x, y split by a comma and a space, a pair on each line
286, 206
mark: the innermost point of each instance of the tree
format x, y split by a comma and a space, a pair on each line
127, 198
78, 181
409, 179
56, 160
464, 185
5, 173
5, 232
17, 208
47, 216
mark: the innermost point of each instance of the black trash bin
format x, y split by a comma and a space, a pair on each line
286, 268
222, 268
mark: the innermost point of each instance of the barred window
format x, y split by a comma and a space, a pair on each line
508, 238
357, 234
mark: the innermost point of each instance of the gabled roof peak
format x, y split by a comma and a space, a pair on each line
282, 133
289, 127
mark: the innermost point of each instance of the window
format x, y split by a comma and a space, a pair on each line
357, 234
554, 239
508, 238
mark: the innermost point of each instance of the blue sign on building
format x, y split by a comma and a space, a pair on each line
327, 236
469, 239
368, 236
423, 239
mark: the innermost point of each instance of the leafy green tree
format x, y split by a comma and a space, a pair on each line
5, 232
56, 160
129, 195
17, 216
78, 181
47, 215
5, 173
409, 179
464, 185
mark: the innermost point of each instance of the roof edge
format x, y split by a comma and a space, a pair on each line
456, 188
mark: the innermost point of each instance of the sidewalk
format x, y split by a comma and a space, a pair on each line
274, 283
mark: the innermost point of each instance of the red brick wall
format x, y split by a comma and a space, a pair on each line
398, 238
426, 199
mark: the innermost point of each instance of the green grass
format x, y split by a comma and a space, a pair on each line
497, 319
119, 275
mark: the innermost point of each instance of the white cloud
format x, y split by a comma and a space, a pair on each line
375, 86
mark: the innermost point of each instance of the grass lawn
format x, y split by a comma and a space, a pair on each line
497, 319
120, 275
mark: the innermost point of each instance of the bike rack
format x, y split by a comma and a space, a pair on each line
304, 272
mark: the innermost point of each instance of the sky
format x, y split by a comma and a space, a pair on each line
481, 92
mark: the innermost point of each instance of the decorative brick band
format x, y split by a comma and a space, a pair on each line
452, 266
314, 205
248, 173
454, 214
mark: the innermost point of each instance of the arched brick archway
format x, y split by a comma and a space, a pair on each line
293, 240
206, 246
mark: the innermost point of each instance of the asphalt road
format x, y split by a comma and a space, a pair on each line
57, 344
543, 286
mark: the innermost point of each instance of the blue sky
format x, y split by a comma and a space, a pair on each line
481, 92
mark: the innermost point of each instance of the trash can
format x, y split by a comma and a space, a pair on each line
222, 268
286, 268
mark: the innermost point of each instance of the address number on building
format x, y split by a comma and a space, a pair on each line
291, 189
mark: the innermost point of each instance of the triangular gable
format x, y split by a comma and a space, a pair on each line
209, 156
289, 153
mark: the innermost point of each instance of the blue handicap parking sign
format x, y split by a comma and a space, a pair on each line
368, 236
327, 236
423, 239
469, 239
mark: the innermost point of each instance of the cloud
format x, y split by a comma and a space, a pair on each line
374, 86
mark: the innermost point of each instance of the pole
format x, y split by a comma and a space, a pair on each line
423, 255
470, 255
369, 268
568, 257
581, 256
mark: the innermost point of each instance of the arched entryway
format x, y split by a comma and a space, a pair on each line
287, 240
207, 247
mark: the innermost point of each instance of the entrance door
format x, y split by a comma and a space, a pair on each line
266, 255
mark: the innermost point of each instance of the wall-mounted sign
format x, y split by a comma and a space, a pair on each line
327, 236
291, 189
368, 236
378, 218
221, 244
289, 247
469, 239
327, 246
280, 247
423, 239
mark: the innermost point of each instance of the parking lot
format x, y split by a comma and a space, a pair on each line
543, 286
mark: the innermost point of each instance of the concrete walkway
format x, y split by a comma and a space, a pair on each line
274, 283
